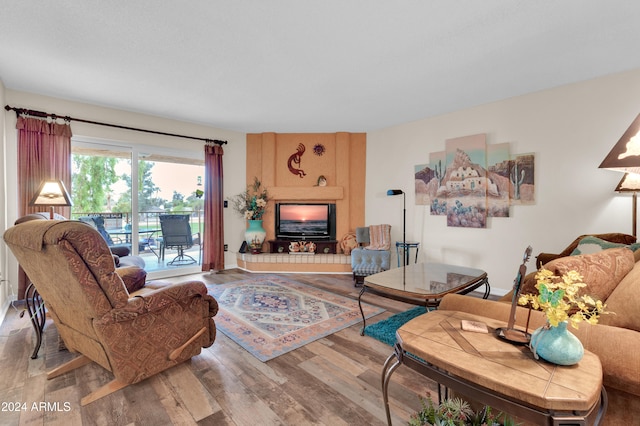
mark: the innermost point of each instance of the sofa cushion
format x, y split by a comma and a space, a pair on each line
591, 244
601, 271
133, 277
624, 302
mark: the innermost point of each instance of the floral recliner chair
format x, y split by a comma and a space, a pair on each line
132, 335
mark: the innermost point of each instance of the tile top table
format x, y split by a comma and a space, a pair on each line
504, 376
424, 284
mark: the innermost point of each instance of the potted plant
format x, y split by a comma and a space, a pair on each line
252, 205
457, 412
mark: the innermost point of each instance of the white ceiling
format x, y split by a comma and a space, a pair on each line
309, 66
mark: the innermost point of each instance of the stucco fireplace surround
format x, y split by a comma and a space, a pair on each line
289, 165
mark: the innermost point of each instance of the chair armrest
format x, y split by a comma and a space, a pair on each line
158, 300
133, 277
158, 329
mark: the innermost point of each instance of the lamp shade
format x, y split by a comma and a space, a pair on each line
630, 182
51, 192
625, 154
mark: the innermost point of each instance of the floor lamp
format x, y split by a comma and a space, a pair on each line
51, 193
391, 193
625, 157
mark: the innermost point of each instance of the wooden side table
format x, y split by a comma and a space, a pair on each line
496, 373
406, 249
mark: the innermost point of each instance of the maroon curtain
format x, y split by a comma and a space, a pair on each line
213, 239
44, 152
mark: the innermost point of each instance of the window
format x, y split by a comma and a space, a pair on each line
166, 182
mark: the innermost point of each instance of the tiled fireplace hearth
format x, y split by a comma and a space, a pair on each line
284, 262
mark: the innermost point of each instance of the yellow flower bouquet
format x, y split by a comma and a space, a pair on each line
559, 298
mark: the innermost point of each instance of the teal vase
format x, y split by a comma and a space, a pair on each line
255, 235
556, 345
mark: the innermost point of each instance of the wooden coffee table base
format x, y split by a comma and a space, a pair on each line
506, 378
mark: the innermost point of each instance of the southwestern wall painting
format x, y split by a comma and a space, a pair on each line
471, 181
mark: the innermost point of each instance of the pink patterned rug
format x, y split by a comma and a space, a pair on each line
271, 315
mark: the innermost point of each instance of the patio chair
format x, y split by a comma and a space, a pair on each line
134, 336
176, 234
121, 249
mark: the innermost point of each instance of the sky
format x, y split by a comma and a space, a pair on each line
182, 178
303, 213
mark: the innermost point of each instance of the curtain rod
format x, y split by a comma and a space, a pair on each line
41, 114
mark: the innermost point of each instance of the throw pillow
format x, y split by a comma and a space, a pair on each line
601, 271
348, 242
624, 303
591, 244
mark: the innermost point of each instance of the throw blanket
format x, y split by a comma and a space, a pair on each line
379, 237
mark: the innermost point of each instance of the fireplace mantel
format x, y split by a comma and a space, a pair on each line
316, 193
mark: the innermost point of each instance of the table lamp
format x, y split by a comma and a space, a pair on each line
625, 154
625, 157
51, 193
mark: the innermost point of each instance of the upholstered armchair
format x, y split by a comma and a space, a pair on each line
130, 268
134, 336
373, 253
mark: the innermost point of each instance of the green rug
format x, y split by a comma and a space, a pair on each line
385, 330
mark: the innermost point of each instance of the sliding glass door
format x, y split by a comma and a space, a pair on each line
128, 189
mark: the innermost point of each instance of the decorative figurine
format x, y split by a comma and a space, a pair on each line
510, 333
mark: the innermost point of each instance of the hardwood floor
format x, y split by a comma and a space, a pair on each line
333, 381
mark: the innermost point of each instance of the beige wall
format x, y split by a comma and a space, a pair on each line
570, 129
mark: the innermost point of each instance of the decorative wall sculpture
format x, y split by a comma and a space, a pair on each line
471, 181
296, 159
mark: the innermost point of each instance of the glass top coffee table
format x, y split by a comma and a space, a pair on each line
423, 284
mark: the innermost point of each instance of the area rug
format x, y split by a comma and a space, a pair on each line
385, 330
271, 315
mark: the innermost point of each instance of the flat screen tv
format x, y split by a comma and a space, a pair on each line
305, 221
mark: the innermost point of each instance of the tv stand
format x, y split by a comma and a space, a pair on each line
322, 246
